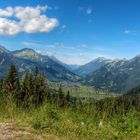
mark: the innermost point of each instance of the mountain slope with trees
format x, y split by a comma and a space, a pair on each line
27, 59
117, 76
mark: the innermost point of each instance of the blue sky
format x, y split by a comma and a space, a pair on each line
75, 31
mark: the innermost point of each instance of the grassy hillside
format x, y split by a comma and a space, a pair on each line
33, 103
85, 121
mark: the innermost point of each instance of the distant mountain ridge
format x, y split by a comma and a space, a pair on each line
3, 49
92, 66
113, 75
117, 76
30, 54
71, 67
26, 60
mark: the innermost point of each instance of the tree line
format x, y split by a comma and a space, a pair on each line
33, 89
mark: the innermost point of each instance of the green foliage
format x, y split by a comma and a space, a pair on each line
68, 98
34, 89
128, 124
70, 123
60, 97
11, 84
66, 116
1, 84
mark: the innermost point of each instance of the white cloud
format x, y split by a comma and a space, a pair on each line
127, 32
45, 53
89, 11
8, 27
56, 7
130, 32
28, 19
7, 12
82, 46
31, 44
39, 24
81, 54
63, 28
104, 49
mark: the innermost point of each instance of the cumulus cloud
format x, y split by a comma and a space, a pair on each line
25, 19
7, 12
8, 27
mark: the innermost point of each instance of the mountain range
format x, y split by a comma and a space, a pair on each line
92, 66
119, 75
27, 59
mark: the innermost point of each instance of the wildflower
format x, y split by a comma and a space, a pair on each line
82, 123
100, 124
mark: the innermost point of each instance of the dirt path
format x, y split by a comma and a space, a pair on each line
10, 131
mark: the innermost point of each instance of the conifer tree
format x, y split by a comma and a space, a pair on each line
1, 83
36, 72
34, 89
41, 89
60, 98
60, 91
68, 97
25, 90
11, 83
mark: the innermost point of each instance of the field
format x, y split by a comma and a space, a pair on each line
78, 90
81, 122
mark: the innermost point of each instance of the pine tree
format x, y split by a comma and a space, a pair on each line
11, 83
1, 83
34, 89
60, 98
36, 72
41, 89
68, 97
25, 90
60, 92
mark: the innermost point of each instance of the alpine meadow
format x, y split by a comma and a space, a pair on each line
69, 70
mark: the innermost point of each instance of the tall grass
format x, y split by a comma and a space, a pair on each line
110, 118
